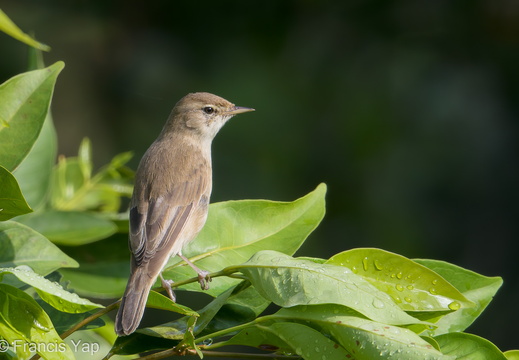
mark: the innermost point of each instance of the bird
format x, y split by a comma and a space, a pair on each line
170, 200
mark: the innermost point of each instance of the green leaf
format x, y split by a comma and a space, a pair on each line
20, 245
75, 189
235, 306
159, 301
477, 288
291, 338
411, 285
288, 282
51, 292
10, 28
512, 354
24, 103
69, 227
364, 338
138, 343
104, 268
468, 346
34, 173
235, 230
23, 321
12, 202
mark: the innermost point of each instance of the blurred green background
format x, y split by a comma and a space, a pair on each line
408, 110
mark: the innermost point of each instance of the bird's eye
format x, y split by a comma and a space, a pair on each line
208, 109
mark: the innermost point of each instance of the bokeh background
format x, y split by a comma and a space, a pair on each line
408, 110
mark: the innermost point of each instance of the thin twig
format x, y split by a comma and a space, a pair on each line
226, 354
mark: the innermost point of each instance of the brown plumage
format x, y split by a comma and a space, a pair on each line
171, 196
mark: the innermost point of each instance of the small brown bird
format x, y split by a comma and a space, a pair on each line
170, 199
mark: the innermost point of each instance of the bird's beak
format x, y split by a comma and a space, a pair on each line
238, 110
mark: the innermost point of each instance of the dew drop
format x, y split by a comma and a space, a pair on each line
454, 305
377, 304
399, 275
408, 299
435, 281
410, 287
433, 291
354, 269
378, 265
365, 263
399, 287
40, 325
317, 349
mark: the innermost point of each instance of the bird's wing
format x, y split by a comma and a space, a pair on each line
157, 224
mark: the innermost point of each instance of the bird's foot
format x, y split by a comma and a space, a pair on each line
166, 284
204, 279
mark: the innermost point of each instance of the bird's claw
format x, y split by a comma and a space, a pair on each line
204, 279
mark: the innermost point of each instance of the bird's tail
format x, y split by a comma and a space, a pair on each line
133, 302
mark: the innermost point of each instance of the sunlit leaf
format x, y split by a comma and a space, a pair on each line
12, 202
24, 103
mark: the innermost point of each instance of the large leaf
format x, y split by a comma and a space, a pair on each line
23, 321
34, 173
411, 285
364, 338
235, 230
24, 103
477, 288
10, 28
289, 282
51, 292
20, 245
291, 338
69, 227
12, 202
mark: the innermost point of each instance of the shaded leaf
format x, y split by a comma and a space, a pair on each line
51, 292
20, 245
10, 28
288, 282
12, 202
235, 230
24, 103
70, 228
290, 338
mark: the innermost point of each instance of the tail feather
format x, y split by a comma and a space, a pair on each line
133, 303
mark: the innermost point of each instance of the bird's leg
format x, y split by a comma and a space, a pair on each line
203, 276
166, 284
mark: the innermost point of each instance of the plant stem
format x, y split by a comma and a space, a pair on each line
226, 354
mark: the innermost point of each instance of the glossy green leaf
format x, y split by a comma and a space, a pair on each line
21, 245
34, 173
468, 346
12, 202
235, 230
51, 292
411, 285
288, 282
291, 338
477, 288
364, 338
24, 103
512, 354
10, 28
23, 321
70, 228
